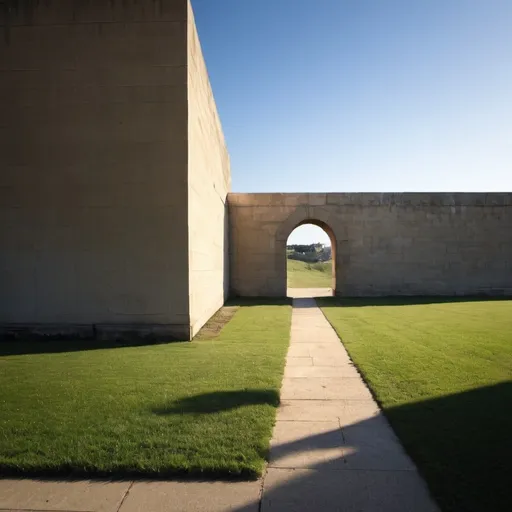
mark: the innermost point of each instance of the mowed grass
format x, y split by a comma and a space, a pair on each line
309, 275
204, 408
442, 372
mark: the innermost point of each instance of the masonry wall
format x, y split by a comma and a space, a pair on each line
386, 244
209, 182
93, 165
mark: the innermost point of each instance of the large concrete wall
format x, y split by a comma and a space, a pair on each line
209, 183
93, 165
386, 244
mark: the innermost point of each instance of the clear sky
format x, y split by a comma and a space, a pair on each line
362, 95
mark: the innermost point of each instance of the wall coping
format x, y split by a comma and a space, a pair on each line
371, 199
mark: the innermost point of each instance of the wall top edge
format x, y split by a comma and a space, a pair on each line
372, 199
16, 13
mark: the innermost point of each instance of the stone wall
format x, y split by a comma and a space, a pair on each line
386, 244
209, 182
93, 166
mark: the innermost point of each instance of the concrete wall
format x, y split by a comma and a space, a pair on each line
209, 182
93, 164
386, 244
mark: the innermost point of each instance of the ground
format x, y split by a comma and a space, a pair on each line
440, 368
204, 407
309, 275
442, 372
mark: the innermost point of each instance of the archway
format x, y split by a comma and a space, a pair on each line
311, 259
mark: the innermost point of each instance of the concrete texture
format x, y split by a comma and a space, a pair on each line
114, 172
384, 244
304, 490
80, 496
193, 497
143, 496
93, 158
209, 181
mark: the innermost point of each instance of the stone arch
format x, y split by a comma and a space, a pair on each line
301, 216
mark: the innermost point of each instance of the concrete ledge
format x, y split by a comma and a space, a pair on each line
99, 332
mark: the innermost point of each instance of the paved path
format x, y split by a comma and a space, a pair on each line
332, 451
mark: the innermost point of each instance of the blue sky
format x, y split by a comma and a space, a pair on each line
362, 95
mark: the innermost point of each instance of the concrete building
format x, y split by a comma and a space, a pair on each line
114, 183
113, 170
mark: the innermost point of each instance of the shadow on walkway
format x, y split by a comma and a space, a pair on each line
461, 444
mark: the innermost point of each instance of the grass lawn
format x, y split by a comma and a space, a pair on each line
205, 407
309, 275
442, 372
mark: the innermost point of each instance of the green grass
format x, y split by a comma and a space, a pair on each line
309, 275
205, 407
442, 372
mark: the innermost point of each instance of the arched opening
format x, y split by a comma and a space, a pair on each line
311, 260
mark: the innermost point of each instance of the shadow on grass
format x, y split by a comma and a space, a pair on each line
462, 444
404, 300
218, 401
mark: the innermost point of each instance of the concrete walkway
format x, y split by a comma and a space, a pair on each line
332, 450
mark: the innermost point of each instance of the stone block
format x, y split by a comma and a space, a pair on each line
79, 496
327, 388
346, 412
193, 496
317, 199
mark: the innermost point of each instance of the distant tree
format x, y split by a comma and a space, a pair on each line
310, 253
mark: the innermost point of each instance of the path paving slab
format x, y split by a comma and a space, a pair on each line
323, 388
186, 496
297, 340
307, 444
335, 360
303, 490
70, 496
372, 444
310, 371
346, 412
299, 350
298, 361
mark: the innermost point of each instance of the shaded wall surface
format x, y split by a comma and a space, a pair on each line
93, 165
386, 244
209, 181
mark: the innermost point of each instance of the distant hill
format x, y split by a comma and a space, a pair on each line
309, 275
